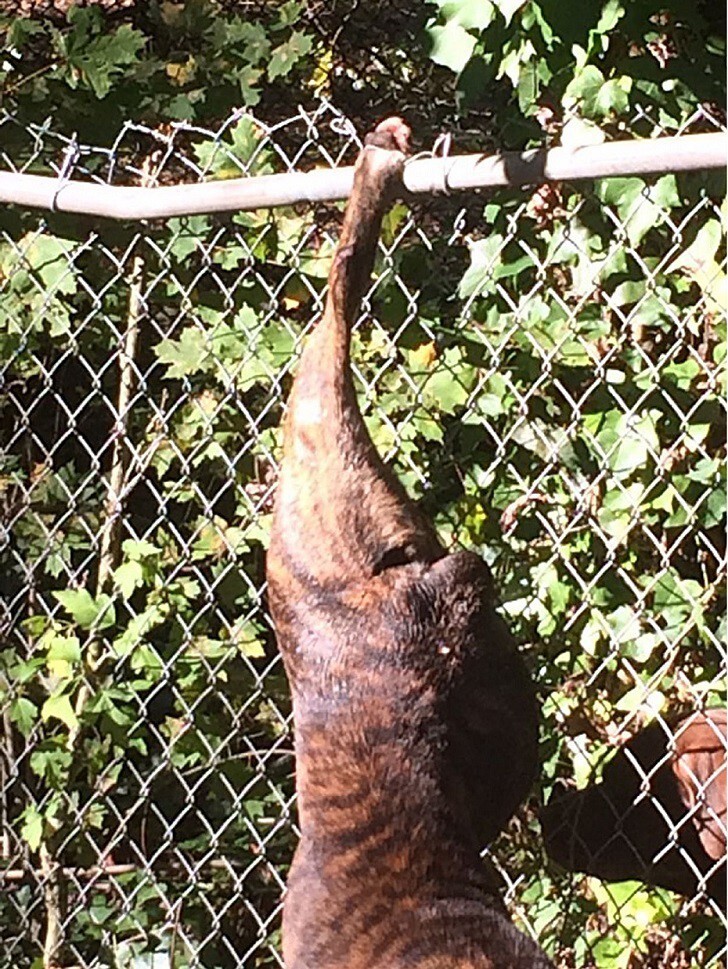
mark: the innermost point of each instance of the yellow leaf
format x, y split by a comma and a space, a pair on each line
321, 77
180, 74
423, 357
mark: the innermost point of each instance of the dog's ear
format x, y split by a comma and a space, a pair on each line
699, 767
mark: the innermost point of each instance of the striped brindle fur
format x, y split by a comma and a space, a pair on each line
415, 719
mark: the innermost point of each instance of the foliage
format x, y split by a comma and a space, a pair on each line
556, 402
582, 68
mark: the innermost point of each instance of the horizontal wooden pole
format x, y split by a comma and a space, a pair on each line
422, 176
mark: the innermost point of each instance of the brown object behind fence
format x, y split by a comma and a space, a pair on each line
657, 816
415, 717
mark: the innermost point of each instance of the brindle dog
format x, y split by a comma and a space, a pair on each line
415, 718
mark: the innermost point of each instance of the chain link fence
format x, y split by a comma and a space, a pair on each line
544, 368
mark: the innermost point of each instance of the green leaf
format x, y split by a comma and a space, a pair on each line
452, 46
138, 549
247, 152
707, 471
617, 512
470, 14
289, 13
640, 697
24, 715
486, 258
248, 79
285, 57
64, 652
584, 89
128, 577
517, 66
449, 387
683, 373
612, 13
105, 703
21, 31
612, 98
85, 610
99, 60
445, 391
548, 442
639, 207
80, 604
674, 592
252, 648
665, 192
628, 443
27, 671
643, 647
620, 192
182, 106
703, 248
577, 133
248, 41
426, 425
509, 7
58, 707
51, 258
133, 636
186, 356
699, 263
628, 292
188, 235
147, 660
715, 507
65, 648
51, 762
32, 828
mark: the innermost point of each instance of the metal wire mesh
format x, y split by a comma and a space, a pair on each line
549, 378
